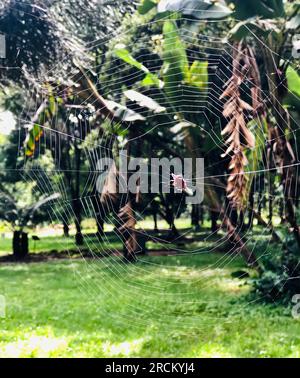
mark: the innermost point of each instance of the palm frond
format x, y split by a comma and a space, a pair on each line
239, 137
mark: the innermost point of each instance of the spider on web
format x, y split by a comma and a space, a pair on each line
180, 184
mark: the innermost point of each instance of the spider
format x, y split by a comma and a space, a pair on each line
180, 183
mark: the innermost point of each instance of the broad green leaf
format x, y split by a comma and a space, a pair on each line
261, 28
198, 75
182, 129
42, 202
175, 61
293, 80
184, 85
146, 6
123, 113
35, 131
174, 49
125, 55
150, 78
52, 105
293, 96
241, 29
30, 145
293, 23
200, 9
262, 8
34, 134
144, 101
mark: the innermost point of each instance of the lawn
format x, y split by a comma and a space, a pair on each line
162, 306
51, 239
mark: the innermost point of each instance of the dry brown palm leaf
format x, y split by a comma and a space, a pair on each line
239, 137
126, 229
108, 196
111, 201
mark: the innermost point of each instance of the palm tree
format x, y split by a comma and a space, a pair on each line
20, 217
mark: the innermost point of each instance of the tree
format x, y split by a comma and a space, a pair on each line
20, 216
33, 41
45, 33
184, 80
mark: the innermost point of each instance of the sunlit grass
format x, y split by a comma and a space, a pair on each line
187, 306
51, 237
168, 306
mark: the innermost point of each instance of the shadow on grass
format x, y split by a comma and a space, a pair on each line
180, 306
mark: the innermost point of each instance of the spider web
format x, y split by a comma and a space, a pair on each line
123, 279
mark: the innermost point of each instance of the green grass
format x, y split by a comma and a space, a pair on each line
45, 244
186, 306
50, 242
61, 243
58, 242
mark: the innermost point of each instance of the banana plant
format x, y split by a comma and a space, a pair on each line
200, 9
185, 87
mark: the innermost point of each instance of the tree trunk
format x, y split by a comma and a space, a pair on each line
100, 226
78, 235
173, 232
250, 210
270, 199
242, 224
20, 245
77, 201
281, 212
201, 215
155, 221
233, 214
77, 221
99, 211
260, 203
214, 218
195, 217
66, 229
